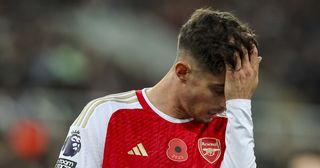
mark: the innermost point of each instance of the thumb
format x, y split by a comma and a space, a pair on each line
257, 63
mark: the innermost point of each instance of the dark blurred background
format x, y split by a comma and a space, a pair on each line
56, 55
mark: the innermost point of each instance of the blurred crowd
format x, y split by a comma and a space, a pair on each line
56, 55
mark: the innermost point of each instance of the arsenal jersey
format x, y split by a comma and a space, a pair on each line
126, 130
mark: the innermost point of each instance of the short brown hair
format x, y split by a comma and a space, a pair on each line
207, 37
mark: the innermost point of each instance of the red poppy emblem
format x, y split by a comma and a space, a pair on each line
177, 150
210, 149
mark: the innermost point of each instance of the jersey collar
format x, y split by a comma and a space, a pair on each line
146, 104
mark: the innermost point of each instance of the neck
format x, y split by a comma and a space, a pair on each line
164, 96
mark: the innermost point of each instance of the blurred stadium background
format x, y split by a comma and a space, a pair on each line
56, 55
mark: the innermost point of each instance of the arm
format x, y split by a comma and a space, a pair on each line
84, 144
239, 135
240, 85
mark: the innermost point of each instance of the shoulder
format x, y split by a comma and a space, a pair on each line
104, 107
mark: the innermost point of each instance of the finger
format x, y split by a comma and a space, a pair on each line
229, 67
254, 56
238, 62
245, 60
257, 64
229, 71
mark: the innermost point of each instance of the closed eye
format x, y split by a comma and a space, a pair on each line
217, 89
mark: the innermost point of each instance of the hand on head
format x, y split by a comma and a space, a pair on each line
242, 81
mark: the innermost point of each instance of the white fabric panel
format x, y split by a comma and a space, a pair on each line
93, 135
239, 135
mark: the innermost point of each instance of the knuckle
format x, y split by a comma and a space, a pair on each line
249, 73
243, 75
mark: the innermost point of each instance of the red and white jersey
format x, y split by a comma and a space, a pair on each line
126, 130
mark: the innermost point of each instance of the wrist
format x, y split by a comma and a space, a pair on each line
238, 102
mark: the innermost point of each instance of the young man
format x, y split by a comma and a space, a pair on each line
198, 115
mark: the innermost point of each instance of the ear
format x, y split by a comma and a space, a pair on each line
182, 70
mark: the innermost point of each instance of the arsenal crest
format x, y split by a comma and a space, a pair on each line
210, 149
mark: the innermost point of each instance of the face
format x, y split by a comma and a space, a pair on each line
203, 95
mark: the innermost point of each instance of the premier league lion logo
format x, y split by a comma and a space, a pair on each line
72, 145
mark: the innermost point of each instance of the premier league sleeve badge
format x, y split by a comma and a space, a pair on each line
72, 145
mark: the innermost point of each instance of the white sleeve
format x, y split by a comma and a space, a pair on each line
239, 135
84, 145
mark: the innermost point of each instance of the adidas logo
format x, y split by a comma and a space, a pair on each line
138, 150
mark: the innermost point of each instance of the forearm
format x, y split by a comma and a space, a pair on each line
239, 135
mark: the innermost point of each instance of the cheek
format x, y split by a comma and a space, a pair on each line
201, 102
203, 97
197, 97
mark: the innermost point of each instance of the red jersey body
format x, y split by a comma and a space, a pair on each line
204, 143
127, 130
